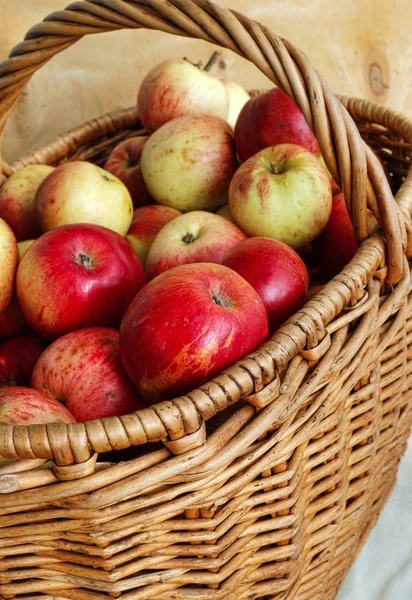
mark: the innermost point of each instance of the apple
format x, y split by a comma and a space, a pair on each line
275, 271
24, 406
12, 322
83, 371
188, 163
9, 257
77, 276
23, 247
334, 186
17, 200
270, 119
146, 224
225, 212
175, 88
336, 245
238, 97
124, 163
80, 192
18, 357
313, 290
195, 237
307, 255
282, 192
186, 326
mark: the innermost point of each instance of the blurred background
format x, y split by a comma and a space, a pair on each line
362, 47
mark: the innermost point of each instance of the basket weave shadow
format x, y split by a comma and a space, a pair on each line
268, 479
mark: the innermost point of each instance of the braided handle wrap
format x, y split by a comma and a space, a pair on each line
180, 423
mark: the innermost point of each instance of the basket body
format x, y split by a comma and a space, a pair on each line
276, 515
264, 482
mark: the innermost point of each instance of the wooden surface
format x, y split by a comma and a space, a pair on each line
352, 44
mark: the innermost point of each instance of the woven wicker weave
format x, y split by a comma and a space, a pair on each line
269, 478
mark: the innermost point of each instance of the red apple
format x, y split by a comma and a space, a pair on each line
80, 192
275, 271
17, 200
186, 326
196, 237
174, 88
282, 192
9, 257
313, 290
24, 406
18, 357
188, 163
124, 163
146, 224
77, 276
336, 245
269, 119
12, 322
83, 370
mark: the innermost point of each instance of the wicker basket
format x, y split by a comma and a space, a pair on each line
265, 482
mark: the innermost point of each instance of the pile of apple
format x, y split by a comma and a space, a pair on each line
138, 282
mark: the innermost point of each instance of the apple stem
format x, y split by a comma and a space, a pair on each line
276, 168
189, 238
212, 60
84, 260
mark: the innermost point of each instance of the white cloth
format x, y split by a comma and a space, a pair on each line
383, 570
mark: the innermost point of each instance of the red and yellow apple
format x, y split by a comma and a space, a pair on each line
195, 237
270, 119
186, 326
124, 163
175, 88
9, 257
17, 200
275, 271
77, 276
189, 162
12, 322
80, 192
146, 224
282, 192
25, 406
83, 371
225, 212
18, 358
23, 247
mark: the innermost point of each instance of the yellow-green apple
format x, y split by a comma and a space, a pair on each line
174, 88
225, 212
195, 237
17, 200
238, 97
18, 357
77, 276
269, 119
124, 163
83, 371
24, 406
275, 271
12, 322
186, 326
9, 257
146, 224
282, 192
80, 192
188, 163
336, 245
23, 247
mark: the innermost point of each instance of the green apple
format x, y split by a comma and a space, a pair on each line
282, 192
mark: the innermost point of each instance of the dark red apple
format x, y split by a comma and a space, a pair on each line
124, 162
18, 358
313, 290
83, 370
269, 119
77, 276
24, 406
335, 247
12, 322
186, 326
275, 271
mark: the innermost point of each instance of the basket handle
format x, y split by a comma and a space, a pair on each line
350, 161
